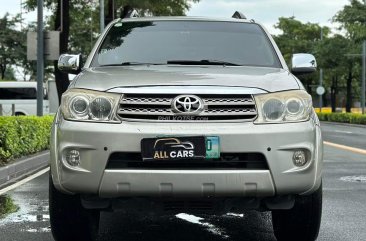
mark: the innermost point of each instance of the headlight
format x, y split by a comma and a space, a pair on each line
100, 108
288, 106
87, 105
79, 106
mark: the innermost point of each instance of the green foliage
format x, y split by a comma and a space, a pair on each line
9, 74
341, 70
298, 37
12, 43
158, 8
351, 118
331, 55
84, 17
7, 206
331, 52
23, 135
353, 19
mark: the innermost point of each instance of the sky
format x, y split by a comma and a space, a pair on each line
265, 11
13, 7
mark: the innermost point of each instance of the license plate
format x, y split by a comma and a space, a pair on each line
178, 148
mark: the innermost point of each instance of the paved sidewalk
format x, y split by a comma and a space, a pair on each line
23, 167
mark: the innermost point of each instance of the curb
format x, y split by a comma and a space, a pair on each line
23, 167
342, 124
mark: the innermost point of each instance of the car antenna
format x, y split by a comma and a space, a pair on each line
129, 12
239, 15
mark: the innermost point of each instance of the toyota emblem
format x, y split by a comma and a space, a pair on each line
187, 105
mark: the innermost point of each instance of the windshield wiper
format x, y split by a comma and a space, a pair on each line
130, 63
202, 62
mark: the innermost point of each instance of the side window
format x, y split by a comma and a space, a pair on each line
18, 93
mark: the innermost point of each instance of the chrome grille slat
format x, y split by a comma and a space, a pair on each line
228, 101
144, 111
146, 101
158, 107
168, 112
229, 112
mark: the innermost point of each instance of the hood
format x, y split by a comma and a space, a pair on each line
108, 78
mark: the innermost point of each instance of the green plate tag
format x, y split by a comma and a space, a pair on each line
212, 147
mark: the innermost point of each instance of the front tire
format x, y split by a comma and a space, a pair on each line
69, 220
302, 222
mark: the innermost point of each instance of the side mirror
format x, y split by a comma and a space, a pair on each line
69, 63
303, 64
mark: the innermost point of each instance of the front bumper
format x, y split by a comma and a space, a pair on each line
96, 141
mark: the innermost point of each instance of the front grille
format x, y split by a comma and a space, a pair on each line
157, 107
227, 161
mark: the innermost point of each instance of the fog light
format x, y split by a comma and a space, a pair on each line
299, 158
73, 158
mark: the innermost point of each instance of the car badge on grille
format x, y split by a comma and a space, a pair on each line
187, 105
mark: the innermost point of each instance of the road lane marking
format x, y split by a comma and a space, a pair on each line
345, 132
360, 178
38, 230
347, 148
25, 180
329, 160
197, 220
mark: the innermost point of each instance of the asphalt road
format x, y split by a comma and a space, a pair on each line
344, 212
354, 136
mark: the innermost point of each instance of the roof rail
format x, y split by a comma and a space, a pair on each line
129, 12
239, 15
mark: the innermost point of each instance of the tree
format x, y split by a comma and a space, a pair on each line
79, 29
298, 37
9, 74
331, 52
12, 43
353, 20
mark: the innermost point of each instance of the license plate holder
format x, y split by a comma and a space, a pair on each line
180, 148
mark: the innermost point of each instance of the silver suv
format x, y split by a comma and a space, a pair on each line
183, 114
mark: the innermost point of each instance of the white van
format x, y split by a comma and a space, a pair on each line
24, 97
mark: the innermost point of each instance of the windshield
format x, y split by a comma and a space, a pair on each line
183, 42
